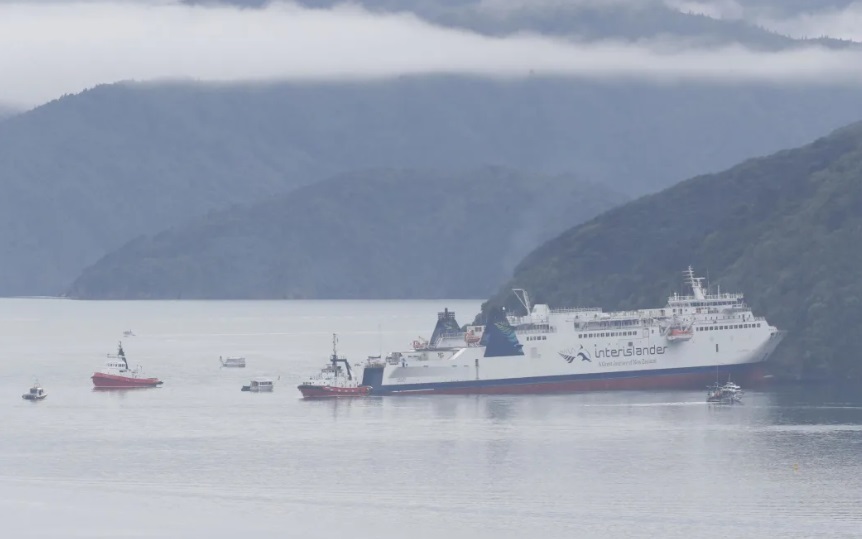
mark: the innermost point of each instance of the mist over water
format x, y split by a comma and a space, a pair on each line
199, 458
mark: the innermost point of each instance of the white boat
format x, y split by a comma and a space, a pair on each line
238, 362
259, 385
683, 344
729, 393
36, 393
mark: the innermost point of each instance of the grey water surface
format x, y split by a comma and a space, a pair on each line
199, 458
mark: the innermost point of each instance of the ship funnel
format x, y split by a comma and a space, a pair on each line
446, 323
499, 338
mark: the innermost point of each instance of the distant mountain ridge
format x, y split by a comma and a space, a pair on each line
782, 229
374, 234
84, 174
7, 111
586, 21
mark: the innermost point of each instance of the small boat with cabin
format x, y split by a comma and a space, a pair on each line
117, 375
729, 393
334, 380
35, 394
259, 385
232, 362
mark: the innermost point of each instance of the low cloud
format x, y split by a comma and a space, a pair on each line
47, 49
838, 23
506, 6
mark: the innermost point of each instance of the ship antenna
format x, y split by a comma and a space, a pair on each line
695, 284
121, 354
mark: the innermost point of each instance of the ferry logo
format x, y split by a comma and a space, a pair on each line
581, 354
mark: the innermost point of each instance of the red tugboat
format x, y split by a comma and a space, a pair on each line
333, 380
117, 375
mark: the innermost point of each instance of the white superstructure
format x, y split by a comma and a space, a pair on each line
688, 342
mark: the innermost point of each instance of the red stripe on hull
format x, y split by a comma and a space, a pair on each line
753, 377
324, 392
108, 381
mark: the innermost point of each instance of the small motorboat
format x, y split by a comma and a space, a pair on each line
35, 394
117, 375
728, 393
235, 362
259, 385
334, 380
128, 333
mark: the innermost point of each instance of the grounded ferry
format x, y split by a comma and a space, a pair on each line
692, 341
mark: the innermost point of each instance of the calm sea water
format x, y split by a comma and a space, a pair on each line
199, 458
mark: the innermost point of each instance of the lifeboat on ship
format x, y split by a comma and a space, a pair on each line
420, 344
334, 380
676, 334
116, 374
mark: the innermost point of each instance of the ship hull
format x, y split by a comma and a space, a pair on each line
329, 392
112, 381
556, 364
691, 378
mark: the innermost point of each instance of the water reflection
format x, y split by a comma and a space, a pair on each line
500, 409
201, 458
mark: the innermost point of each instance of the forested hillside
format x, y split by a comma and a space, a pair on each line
784, 229
84, 174
376, 234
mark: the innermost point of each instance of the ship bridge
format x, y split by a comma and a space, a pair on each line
700, 297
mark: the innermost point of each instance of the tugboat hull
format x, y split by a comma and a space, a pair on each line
327, 392
112, 381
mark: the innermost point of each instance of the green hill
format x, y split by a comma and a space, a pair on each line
82, 175
783, 229
379, 234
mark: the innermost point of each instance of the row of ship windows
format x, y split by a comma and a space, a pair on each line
737, 326
634, 333
538, 338
611, 334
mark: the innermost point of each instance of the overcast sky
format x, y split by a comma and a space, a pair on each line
48, 49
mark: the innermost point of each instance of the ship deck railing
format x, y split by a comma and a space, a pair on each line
576, 310
722, 319
708, 297
540, 329
612, 324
